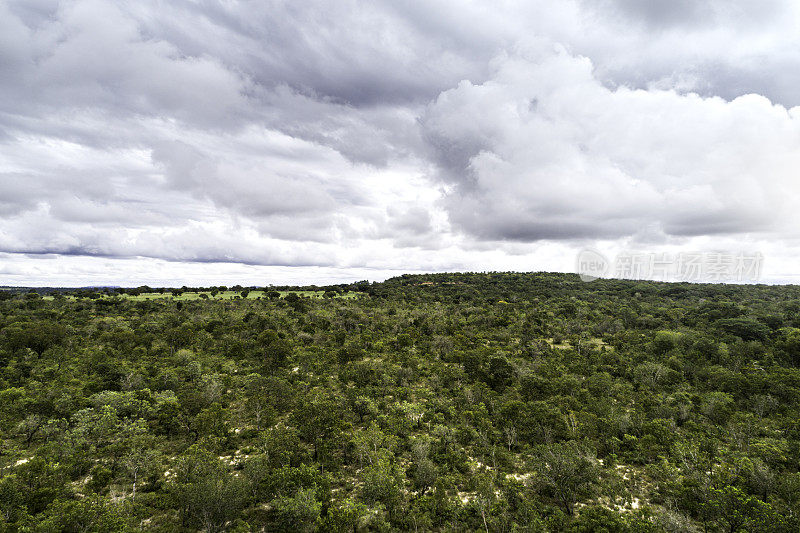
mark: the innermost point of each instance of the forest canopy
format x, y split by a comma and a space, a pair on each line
443, 402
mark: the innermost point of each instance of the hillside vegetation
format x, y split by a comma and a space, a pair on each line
449, 402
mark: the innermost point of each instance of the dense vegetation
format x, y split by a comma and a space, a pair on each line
451, 402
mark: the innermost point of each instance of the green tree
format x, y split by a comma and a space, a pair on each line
95, 513
322, 422
206, 495
298, 512
566, 473
735, 510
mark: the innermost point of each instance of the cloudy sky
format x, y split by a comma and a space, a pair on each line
263, 142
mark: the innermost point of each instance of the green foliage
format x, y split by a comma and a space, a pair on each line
745, 328
95, 514
298, 512
566, 473
206, 495
442, 402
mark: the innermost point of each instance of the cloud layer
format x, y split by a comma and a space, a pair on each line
369, 138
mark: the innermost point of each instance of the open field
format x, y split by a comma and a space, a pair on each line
223, 295
229, 295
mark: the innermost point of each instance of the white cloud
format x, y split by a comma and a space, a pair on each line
359, 139
542, 150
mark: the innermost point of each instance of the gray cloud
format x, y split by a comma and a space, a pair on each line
692, 14
388, 134
676, 12
726, 48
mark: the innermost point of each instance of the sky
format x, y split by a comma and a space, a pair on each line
268, 142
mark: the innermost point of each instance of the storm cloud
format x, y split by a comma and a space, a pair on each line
368, 138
